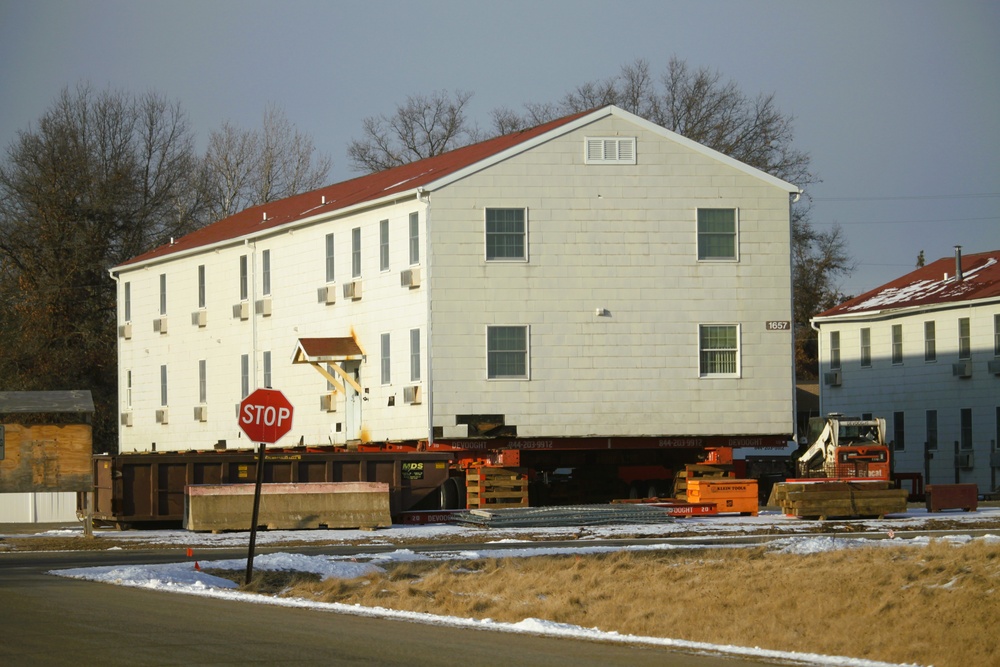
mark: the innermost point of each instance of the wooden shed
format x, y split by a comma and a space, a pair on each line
46, 450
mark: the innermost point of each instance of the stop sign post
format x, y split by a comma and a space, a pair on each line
265, 416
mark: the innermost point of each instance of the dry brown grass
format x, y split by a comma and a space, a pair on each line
927, 605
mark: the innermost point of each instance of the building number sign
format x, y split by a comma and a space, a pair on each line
777, 325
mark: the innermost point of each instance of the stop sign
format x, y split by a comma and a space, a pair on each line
265, 416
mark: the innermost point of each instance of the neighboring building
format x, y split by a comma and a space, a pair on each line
923, 352
46, 453
595, 276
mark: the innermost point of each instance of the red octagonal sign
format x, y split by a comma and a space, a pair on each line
265, 416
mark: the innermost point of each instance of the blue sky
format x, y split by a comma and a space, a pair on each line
898, 103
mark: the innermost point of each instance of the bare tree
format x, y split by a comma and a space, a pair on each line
818, 259
103, 177
424, 126
245, 168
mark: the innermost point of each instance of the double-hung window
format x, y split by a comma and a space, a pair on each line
163, 294
506, 234
717, 234
386, 359
897, 344
265, 273
202, 381
414, 239
244, 276
930, 341
244, 376
964, 339
329, 258
718, 350
834, 350
866, 348
128, 302
201, 286
506, 352
414, 355
356, 252
163, 385
383, 245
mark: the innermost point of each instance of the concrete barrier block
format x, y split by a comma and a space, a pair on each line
223, 507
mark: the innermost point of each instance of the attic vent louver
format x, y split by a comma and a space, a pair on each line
609, 150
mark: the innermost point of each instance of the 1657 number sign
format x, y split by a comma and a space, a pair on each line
777, 325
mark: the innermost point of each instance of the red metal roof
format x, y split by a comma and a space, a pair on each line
932, 284
348, 193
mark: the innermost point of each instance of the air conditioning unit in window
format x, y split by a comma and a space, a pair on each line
352, 290
125, 331
994, 367
242, 310
160, 324
263, 306
411, 394
126, 419
201, 413
962, 369
409, 278
327, 294
328, 402
199, 318
162, 416
965, 460
832, 379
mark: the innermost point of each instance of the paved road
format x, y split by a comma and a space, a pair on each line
50, 620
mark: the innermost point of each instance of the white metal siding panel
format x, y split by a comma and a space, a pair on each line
622, 238
297, 271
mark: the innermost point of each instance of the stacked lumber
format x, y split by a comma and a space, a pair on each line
494, 488
827, 499
694, 471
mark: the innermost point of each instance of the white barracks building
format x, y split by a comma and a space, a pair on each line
592, 277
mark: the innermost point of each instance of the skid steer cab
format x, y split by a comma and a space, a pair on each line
840, 447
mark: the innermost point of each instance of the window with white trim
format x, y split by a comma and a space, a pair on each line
128, 302
356, 252
718, 234
609, 150
267, 369
265, 273
329, 258
163, 385
930, 341
964, 339
834, 350
244, 273
383, 245
718, 350
414, 239
506, 234
202, 381
866, 348
163, 294
414, 355
931, 437
897, 344
386, 361
201, 286
244, 376
506, 352
965, 428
